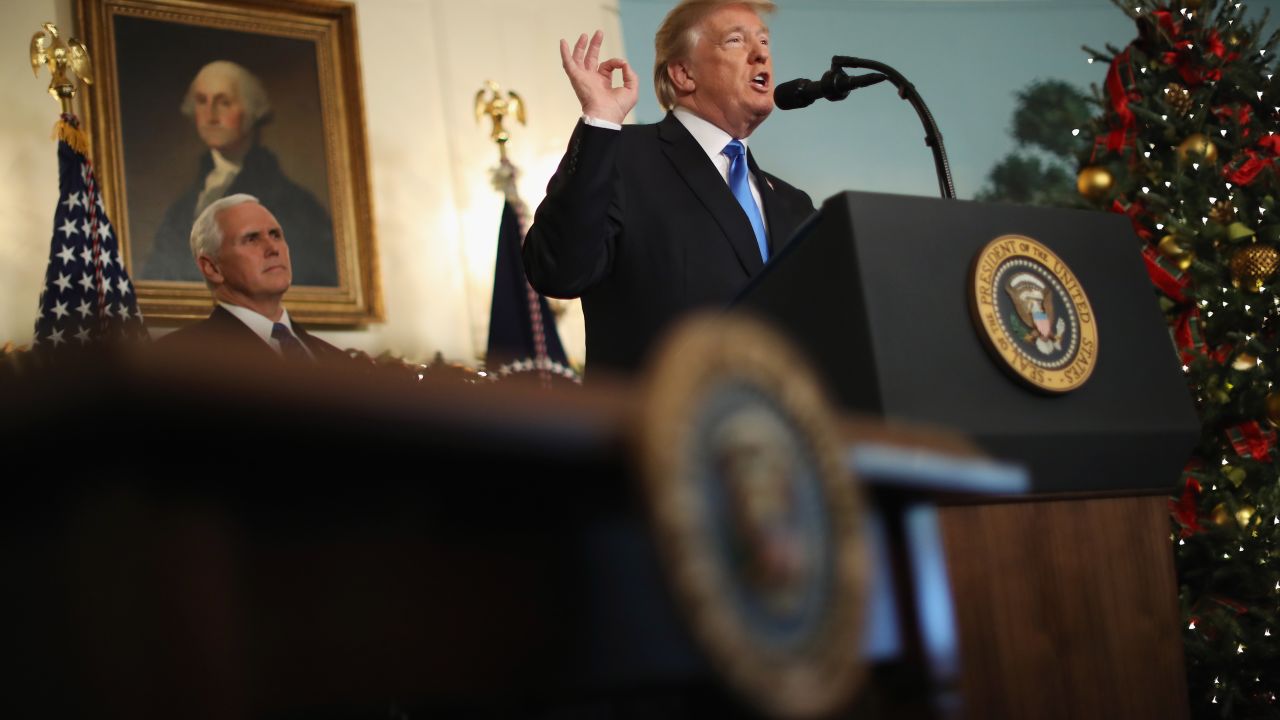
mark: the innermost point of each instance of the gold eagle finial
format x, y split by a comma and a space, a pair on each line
497, 107
48, 49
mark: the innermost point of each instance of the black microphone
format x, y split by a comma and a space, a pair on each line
833, 86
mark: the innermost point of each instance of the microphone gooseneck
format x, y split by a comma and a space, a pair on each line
836, 85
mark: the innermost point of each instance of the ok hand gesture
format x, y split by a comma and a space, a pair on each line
592, 80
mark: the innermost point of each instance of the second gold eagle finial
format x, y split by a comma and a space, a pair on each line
498, 107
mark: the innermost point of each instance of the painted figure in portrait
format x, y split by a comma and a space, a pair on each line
207, 112
228, 106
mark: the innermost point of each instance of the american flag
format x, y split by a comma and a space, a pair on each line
87, 295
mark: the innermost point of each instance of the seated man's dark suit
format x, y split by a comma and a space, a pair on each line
641, 225
223, 332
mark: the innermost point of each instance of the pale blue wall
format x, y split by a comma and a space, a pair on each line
966, 57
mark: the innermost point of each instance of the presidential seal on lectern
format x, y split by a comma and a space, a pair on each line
1033, 314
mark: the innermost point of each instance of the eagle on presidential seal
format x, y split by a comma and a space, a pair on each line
1033, 302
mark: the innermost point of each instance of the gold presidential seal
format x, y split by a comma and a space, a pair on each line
1033, 315
757, 519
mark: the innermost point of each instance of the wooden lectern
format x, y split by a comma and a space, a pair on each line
1067, 603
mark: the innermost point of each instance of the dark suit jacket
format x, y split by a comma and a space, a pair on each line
640, 224
223, 332
305, 223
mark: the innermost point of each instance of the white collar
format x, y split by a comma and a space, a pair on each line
710, 138
222, 165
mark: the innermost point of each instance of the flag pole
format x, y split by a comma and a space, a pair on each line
497, 108
87, 294
489, 102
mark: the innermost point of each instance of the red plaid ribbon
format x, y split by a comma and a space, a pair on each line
1250, 440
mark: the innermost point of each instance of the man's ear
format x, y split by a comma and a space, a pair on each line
680, 75
209, 269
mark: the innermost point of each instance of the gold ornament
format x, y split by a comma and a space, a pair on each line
1178, 98
1233, 39
1244, 515
1222, 212
1273, 409
1244, 361
1094, 182
1219, 515
1197, 148
1252, 265
1175, 251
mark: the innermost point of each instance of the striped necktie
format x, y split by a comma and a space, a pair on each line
290, 346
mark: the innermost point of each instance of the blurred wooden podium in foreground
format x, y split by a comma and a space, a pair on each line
204, 538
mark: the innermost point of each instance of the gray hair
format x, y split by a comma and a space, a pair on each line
252, 94
206, 234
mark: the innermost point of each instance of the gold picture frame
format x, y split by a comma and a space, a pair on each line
307, 145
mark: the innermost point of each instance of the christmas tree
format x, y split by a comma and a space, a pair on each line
1185, 146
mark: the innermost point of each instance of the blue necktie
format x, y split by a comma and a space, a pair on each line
741, 189
290, 346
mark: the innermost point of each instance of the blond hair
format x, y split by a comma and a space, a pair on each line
678, 34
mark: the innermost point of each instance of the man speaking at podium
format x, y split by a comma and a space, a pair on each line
648, 222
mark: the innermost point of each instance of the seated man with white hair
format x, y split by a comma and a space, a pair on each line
229, 107
241, 252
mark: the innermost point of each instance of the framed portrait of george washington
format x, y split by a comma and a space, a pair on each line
194, 101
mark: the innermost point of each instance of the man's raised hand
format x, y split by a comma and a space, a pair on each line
592, 80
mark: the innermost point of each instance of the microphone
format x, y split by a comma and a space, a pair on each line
833, 86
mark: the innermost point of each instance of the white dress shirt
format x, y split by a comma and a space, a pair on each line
261, 325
